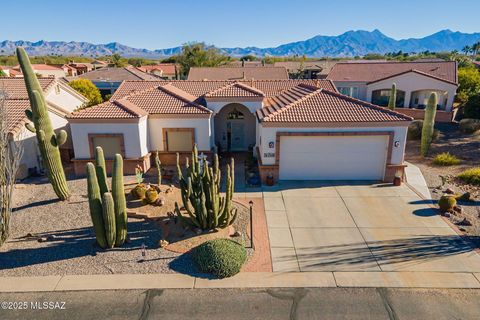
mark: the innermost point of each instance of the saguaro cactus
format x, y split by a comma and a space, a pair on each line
101, 170
392, 101
48, 141
158, 164
109, 219
118, 193
428, 124
201, 194
95, 204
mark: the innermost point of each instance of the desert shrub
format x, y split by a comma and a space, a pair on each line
220, 257
446, 159
415, 131
471, 176
472, 107
469, 125
447, 203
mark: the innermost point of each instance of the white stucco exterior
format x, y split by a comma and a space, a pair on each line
64, 98
134, 136
269, 134
216, 106
202, 126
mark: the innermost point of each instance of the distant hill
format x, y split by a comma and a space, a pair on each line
348, 44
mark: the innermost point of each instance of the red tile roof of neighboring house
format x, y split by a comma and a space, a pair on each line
237, 73
15, 87
306, 104
166, 68
108, 110
41, 66
116, 75
369, 72
16, 117
235, 89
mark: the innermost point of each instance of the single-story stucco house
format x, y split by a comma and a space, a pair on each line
61, 100
238, 73
298, 129
415, 82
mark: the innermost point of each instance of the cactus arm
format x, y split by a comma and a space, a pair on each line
95, 205
109, 219
61, 137
30, 127
120, 203
45, 135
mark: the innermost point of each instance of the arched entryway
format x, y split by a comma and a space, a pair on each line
234, 128
381, 97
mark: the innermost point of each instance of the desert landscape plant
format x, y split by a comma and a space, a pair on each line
101, 170
48, 140
392, 100
10, 154
201, 198
428, 124
220, 257
446, 159
471, 176
447, 203
158, 164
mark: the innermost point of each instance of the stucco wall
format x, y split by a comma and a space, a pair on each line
410, 82
220, 120
202, 126
269, 134
134, 135
362, 87
49, 73
216, 106
64, 99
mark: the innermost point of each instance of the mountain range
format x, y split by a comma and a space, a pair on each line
348, 44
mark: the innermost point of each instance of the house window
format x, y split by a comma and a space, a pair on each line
110, 143
235, 115
178, 139
349, 91
381, 97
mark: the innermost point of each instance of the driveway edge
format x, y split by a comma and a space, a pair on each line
242, 280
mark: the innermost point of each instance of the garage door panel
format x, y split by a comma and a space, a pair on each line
332, 157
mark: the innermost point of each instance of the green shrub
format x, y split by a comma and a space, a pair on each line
446, 159
221, 257
447, 203
472, 107
469, 125
471, 176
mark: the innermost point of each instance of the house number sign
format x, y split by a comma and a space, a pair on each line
269, 155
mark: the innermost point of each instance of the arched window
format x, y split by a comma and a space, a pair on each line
235, 115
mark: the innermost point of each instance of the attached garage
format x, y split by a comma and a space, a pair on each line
326, 157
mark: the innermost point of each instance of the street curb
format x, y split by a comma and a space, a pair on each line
440, 280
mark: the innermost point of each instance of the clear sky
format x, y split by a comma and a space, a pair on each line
161, 24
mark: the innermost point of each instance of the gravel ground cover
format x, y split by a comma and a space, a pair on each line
68, 245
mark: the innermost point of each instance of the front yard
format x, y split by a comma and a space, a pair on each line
465, 147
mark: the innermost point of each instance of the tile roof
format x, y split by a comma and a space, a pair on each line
109, 110
369, 72
16, 113
237, 73
15, 87
236, 89
166, 68
116, 75
312, 105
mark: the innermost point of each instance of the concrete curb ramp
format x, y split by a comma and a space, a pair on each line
242, 280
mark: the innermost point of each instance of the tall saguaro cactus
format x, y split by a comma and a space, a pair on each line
392, 101
48, 140
428, 124
118, 194
200, 191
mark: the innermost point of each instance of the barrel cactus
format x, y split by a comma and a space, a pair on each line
392, 101
151, 196
48, 141
447, 203
139, 191
428, 124
200, 191
108, 210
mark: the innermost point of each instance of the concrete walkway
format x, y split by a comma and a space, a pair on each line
416, 180
358, 227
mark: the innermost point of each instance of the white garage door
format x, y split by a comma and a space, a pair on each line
332, 157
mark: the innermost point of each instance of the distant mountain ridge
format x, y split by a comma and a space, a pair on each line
348, 44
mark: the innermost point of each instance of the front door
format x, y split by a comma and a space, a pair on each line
237, 136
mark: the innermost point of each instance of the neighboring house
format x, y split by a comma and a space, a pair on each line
307, 69
47, 70
107, 79
61, 100
237, 73
163, 70
96, 64
81, 67
248, 64
298, 129
415, 82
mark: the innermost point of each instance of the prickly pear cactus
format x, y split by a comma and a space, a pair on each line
48, 140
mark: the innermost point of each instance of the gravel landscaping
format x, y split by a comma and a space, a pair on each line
50, 237
467, 148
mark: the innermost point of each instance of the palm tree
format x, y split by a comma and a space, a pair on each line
466, 50
475, 48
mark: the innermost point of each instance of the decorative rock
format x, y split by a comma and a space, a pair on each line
160, 201
464, 222
168, 190
163, 243
458, 209
236, 234
51, 237
197, 231
462, 229
446, 214
449, 191
42, 239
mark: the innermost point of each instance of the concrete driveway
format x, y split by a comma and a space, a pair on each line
360, 226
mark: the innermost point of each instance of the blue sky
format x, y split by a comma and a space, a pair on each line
161, 24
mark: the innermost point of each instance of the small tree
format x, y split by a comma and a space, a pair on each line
10, 154
469, 83
199, 55
392, 101
88, 90
428, 124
